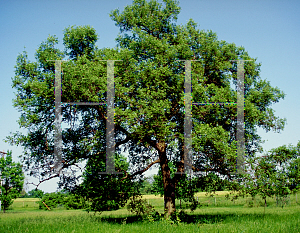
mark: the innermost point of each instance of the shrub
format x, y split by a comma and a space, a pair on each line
52, 200
74, 201
139, 206
175, 218
66, 200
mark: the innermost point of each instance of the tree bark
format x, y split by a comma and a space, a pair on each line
265, 205
179, 173
169, 186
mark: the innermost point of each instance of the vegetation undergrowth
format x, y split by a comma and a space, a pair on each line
228, 217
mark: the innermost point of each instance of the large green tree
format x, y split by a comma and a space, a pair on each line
149, 98
11, 180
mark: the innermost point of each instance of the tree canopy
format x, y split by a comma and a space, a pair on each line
149, 98
11, 180
274, 173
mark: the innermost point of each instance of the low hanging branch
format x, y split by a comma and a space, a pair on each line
140, 171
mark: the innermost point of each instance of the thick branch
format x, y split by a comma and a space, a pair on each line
49, 178
141, 171
123, 141
101, 113
131, 136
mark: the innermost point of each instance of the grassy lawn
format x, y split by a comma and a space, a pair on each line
215, 215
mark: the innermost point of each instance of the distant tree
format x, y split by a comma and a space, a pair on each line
275, 173
12, 178
23, 194
294, 175
146, 187
36, 193
283, 157
294, 171
265, 179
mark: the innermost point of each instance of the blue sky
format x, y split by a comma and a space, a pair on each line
269, 30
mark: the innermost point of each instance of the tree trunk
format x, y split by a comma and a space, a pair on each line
179, 173
265, 205
169, 186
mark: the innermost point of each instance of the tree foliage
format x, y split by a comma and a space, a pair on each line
62, 199
35, 193
147, 185
275, 173
106, 192
149, 99
11, 180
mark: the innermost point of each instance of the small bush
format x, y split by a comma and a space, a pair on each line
139, 206
175, 218
249, 203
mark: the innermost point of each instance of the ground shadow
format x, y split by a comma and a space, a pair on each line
216, 218
118, 220
184, 218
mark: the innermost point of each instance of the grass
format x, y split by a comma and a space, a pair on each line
222, 216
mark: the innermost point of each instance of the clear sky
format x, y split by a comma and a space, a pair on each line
269, 30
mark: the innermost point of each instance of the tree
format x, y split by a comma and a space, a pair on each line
294, 171
274, 174
23, 194
146, 187
282, 157
149, 98
185, 189
12, 179
265, 178
36, 193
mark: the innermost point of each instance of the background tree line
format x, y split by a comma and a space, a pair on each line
277, 173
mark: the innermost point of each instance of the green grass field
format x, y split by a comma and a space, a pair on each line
215, 215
